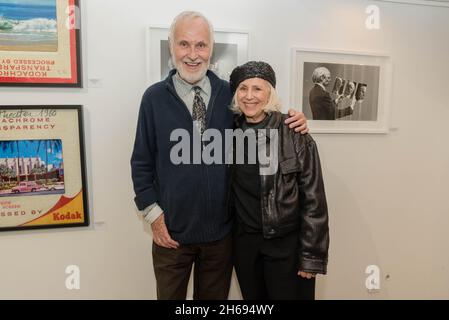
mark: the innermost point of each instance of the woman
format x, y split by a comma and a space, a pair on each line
281, 235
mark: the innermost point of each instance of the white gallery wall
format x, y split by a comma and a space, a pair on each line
387, 193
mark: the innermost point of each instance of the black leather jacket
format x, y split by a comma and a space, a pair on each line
293, 199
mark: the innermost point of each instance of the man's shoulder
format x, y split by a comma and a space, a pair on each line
223, 82
215, 80
319, 93
155, 94
316, 90
156, 88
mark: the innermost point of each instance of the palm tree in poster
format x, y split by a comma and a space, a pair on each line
50, 146
38, 171
6, 172
13, 146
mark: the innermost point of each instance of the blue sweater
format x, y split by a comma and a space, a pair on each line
192, 196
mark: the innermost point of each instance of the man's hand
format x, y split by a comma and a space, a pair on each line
338, 99
298, 121
307, 275
160, 234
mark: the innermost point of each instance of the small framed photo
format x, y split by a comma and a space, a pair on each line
342, 92
42, 168
40, 43
230, 50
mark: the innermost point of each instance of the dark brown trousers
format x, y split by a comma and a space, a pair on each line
212, 270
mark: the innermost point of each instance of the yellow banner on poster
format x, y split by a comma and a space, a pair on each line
70, 212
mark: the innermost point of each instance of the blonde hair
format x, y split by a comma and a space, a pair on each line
273, 104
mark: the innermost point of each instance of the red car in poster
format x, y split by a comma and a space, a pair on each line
26, 186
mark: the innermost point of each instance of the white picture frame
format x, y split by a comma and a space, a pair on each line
364, 86
432, 3
230, 50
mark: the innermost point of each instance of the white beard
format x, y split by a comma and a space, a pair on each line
191, 77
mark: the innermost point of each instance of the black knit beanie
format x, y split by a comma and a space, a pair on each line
252, 69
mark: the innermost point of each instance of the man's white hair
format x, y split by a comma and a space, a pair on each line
318, 73
189, 15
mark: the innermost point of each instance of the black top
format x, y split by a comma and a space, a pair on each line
246, 186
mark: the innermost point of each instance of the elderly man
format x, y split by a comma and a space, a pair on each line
186, 203
322, 105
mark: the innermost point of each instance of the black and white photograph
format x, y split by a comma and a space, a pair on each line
330, 91
230, 50
341, 92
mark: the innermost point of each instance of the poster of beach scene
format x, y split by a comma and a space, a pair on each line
28, 25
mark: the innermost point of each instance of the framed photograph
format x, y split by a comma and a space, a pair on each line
42, 170
342, 92
40, 43
230, 50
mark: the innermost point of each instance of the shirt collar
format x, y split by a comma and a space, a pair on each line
184, 88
